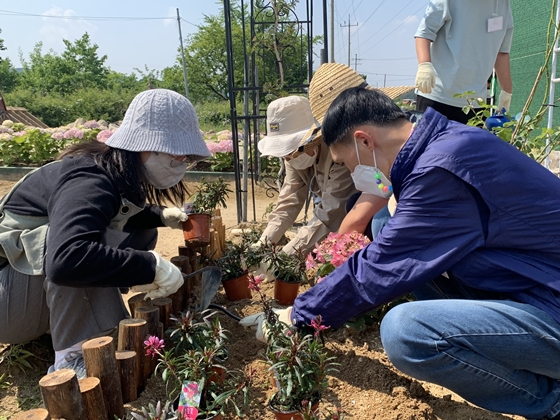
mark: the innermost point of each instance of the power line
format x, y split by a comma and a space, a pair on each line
402, 23
389, 21
372, 13
389, 59
96, 18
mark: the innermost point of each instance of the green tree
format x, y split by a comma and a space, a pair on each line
8, 74
79, 67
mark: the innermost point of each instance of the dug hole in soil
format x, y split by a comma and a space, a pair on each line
366, 385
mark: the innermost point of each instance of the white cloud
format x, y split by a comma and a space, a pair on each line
64, 26
171, 13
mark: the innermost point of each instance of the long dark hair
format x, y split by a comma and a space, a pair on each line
127, 172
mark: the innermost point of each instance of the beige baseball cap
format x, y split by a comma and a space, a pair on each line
287, 121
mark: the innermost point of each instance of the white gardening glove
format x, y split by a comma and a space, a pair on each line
425, 77
262, 270
504, 101
167, 281
262, 241
256, 322
173, 217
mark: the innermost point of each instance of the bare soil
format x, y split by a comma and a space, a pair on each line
366, 386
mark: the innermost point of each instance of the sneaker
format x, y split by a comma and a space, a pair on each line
75, 361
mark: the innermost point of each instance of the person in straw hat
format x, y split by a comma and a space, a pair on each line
309, 169
75, 231
474, 238
368, 212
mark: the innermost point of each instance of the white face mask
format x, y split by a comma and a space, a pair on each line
370, 179
164, 171
303, 161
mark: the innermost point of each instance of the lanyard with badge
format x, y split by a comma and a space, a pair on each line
495, 23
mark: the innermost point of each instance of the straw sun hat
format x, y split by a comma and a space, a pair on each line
329, 81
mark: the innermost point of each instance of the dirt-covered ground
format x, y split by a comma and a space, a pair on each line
366, 386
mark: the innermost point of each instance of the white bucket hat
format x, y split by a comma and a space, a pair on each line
287, 121
160, 120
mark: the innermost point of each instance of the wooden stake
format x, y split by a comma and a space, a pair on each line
61, 395
180, 262
35, 414
151, 315
99, 357
93, 398
132, 333
164, 305
183, 250
137, 301
177, 299
128, 372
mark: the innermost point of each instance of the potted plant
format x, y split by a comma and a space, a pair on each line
235, 263
209, 196
194, 371
298, 362
289, 272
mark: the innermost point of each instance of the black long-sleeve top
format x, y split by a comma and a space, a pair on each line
80, 200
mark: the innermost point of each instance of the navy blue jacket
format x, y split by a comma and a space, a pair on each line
468, 204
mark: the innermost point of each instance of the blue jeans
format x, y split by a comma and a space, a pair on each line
501, 355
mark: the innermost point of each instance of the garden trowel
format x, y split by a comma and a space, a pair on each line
205, 284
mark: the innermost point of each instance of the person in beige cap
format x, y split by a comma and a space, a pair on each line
309, 169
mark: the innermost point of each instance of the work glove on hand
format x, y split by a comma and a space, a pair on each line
173, 217
262, 270
257, 322
504, 101
167, 281
262, 241
425, 77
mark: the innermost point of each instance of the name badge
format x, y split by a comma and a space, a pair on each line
495, 24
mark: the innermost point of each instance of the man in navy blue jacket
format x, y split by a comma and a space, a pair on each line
475, 236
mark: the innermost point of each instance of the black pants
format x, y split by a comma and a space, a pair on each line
454, 113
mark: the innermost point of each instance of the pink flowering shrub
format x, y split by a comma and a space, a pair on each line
20, 133
103, 135
91, 124
74, 133
58, 135
224, 146
333, 251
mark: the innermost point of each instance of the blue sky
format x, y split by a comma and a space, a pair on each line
383, 38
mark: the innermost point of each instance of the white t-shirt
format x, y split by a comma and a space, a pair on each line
463, 50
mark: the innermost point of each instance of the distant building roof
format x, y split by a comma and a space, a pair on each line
394, 92
22, 115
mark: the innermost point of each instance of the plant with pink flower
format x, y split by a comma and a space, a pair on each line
103, 135
74, 133
91, 124
153, 345
333, 251
58, 135
20, 133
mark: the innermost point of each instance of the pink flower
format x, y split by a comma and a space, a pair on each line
74, 133
103, 135
20, 133
213, 147
58, 135
225, 146
255, 282
91, 124
316, 325
153, 345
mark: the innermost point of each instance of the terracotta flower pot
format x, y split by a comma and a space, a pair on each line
238, 288
285, 293
196, 230
289, 415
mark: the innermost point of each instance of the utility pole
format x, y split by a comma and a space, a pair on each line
183, 56
385, 80
332, 32
349, 26
356, 62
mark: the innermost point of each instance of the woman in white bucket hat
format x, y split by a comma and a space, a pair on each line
309, 169
76, 230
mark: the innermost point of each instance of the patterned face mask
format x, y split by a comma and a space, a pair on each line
370, 179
